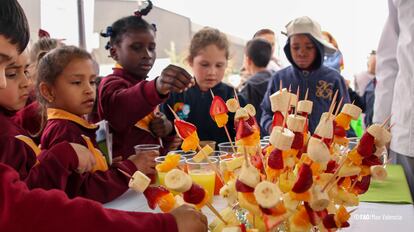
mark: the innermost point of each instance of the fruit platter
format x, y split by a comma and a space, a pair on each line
297, 182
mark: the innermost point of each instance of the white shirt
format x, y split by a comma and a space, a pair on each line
395, 75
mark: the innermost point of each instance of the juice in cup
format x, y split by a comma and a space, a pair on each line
184, 155
161, 175
142, 148
203, 174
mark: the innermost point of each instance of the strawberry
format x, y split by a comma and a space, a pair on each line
194, 195
183, 128
240, 187
331, 166
153, 194
304, 180
366, 145
277, 119
329, 222
256, 161
243, 129
362, 186
218, 106
275, 159
371, 161
297, 141
339, 130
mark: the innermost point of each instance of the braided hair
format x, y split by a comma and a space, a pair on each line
126, 24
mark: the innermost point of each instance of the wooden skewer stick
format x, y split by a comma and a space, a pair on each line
386, 121
352, 210
333, 184
333, 103
225, 127
236, 96
280, 85
214, 210
173, 112
297, 100
259, 151
335, 174
391, 126
306, 94
339, 106
246, 158
286, 114
125, 173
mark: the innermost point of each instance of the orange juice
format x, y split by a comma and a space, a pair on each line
204, 178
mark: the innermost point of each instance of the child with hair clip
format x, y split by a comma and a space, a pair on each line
29, 117
19, 151
208, 56
28, 210
67, 91
126, 99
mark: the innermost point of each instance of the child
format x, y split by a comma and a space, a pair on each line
66, 83
125, 97
258, 53
29, 117
27, 210
305, 49
208, 56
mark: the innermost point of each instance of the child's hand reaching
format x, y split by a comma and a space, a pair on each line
189, 219
160, 126
174, 79
145, 161
85, 158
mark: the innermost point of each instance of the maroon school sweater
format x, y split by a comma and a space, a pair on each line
124, 100
47, 211
102, 186
49, 169
29, 118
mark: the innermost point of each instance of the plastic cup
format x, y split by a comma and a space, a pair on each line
142, 148
203, 174
211, 143
226, 146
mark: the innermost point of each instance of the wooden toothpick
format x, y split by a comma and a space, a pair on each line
125, 173
214, 210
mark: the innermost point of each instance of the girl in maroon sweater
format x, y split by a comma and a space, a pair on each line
125, 97
47, 169
66, 83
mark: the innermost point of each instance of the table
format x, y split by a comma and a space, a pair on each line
368, 217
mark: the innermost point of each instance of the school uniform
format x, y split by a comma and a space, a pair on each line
193, 106
39, 210
45, 169
124, 100
29, 118
102, 184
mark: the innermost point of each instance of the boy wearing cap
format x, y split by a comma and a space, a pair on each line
305, 49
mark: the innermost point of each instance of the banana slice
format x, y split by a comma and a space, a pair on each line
318, 151
250, 110
381, 135
347, 170
229, 193
139, 182
325, 127
280, 100
293, 99
203, 154
267, 194
305, 106
232, 105
378, 172
296, 123
281, 139
319, 200
290, 204
241, 114
352, 110
249, 175
178, 181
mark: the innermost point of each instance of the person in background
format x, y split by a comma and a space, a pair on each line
126, 99
333, 60
208, 57
257, 55
274, 64
305, 49
27, 210
394, 88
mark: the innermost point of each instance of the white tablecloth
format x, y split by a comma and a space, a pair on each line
373, 217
